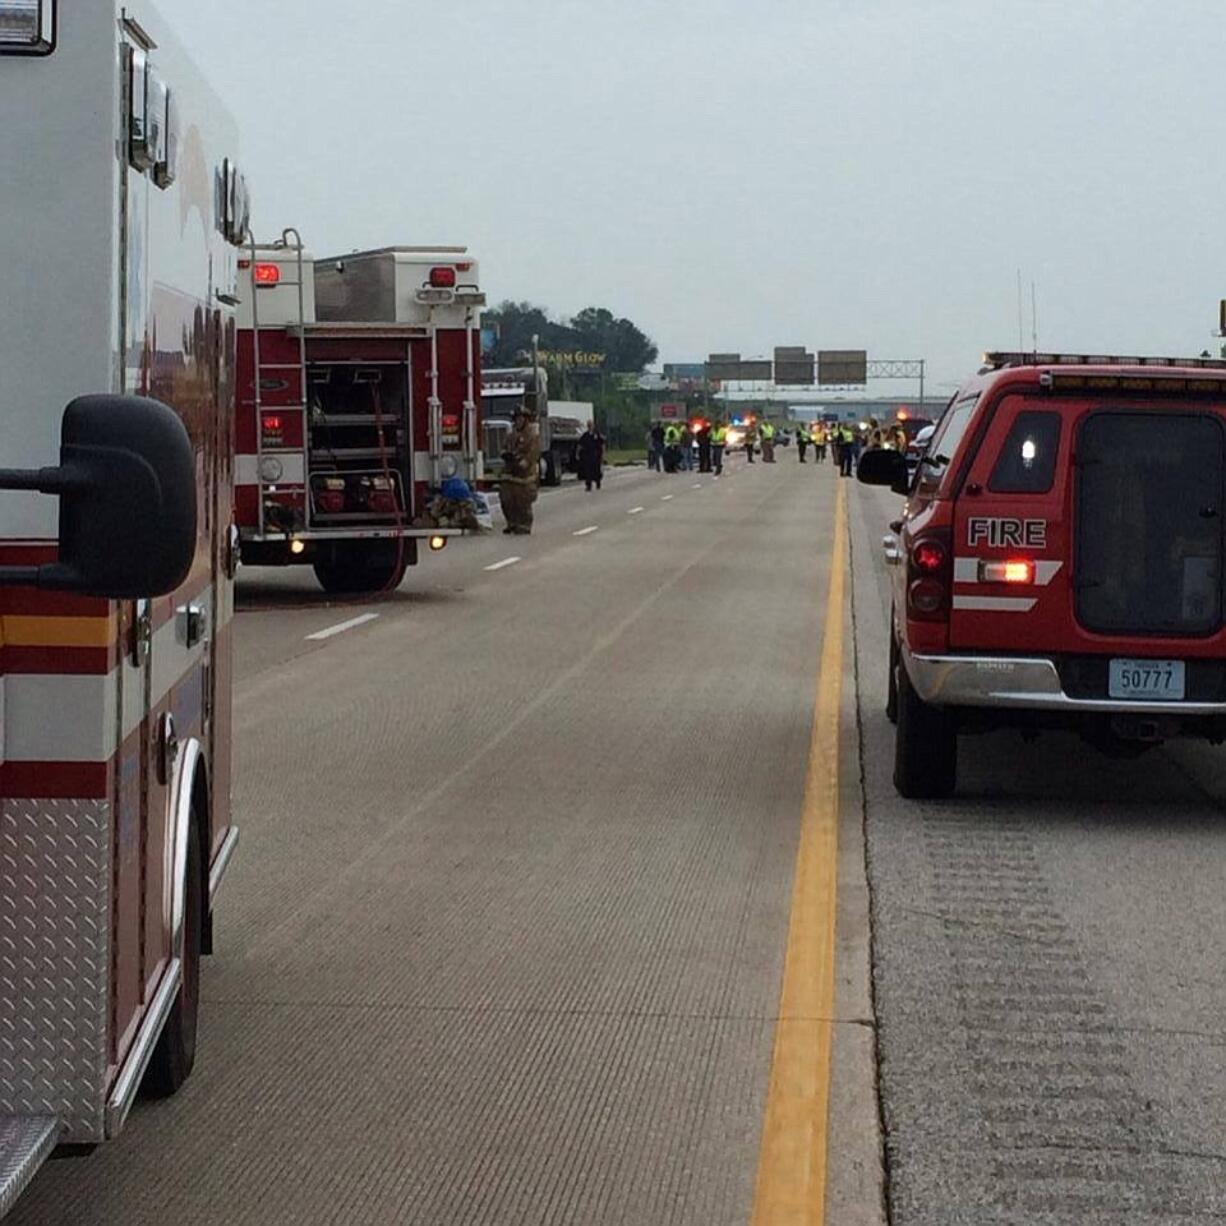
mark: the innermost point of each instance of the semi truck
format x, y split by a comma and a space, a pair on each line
503, 391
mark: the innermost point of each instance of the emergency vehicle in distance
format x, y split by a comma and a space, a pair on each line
120, 244
1059, 561
358, 385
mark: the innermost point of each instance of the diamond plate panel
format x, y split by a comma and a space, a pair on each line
24, 1146
55, 883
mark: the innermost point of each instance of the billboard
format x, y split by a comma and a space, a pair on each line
842, 366
675, 371
723, 366
794, 365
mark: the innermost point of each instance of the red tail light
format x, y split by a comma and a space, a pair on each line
442, 278
267, 274
929, 577
271, 422
928, 556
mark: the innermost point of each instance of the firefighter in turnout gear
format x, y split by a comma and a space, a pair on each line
521, 474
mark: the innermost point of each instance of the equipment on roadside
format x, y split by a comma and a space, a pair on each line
123, 212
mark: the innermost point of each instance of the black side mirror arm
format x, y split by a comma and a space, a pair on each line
63, 479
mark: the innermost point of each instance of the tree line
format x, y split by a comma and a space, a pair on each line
594, 330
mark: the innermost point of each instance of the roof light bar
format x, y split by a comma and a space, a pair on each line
997, 359
27, 27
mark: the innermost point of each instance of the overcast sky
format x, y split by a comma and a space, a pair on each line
736, 174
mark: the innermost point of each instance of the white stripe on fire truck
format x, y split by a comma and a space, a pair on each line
59, 718
995, 604
966, 570
293, 468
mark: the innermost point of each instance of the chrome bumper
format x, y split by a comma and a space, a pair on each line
1022, 682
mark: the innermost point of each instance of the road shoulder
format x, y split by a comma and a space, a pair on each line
855, 1192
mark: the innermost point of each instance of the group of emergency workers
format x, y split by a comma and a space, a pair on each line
672, 447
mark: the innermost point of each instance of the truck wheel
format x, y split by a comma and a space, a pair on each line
175, 1052
925, 746
891, 685
352, 572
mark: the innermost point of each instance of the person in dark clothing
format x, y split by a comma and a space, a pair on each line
655, 448
704, 447
591, 456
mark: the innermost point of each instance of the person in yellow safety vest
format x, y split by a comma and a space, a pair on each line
672, 449
719, 440
819, 445
802, 441
849, 450
768, 443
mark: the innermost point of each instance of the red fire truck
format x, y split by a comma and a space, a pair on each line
358, 389
123, 214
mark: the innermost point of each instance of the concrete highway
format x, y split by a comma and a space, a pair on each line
556, 904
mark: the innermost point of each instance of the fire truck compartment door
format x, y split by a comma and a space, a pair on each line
26, 1142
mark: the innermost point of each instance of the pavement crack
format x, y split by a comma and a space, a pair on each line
1004, 930
1126, 1151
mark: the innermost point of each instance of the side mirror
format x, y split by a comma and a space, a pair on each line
884, 466
127, 488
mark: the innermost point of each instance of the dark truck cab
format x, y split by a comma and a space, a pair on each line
1059, 560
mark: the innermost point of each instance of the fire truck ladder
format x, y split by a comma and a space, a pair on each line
290, 240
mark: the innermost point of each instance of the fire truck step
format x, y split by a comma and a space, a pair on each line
26, 1141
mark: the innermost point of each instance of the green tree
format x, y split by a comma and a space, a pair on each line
517, 323
627, 348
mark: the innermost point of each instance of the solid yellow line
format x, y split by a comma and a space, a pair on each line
791, 1183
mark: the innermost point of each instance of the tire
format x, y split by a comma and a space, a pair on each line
925, 746
356, 571
891, 685
175, 1053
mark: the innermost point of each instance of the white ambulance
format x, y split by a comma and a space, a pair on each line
121, 214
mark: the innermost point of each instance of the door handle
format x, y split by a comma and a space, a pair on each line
193, 622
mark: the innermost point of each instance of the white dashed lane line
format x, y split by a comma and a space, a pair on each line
504, 562
586, 531
341, 627
696, 486
634, 510
666, 497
